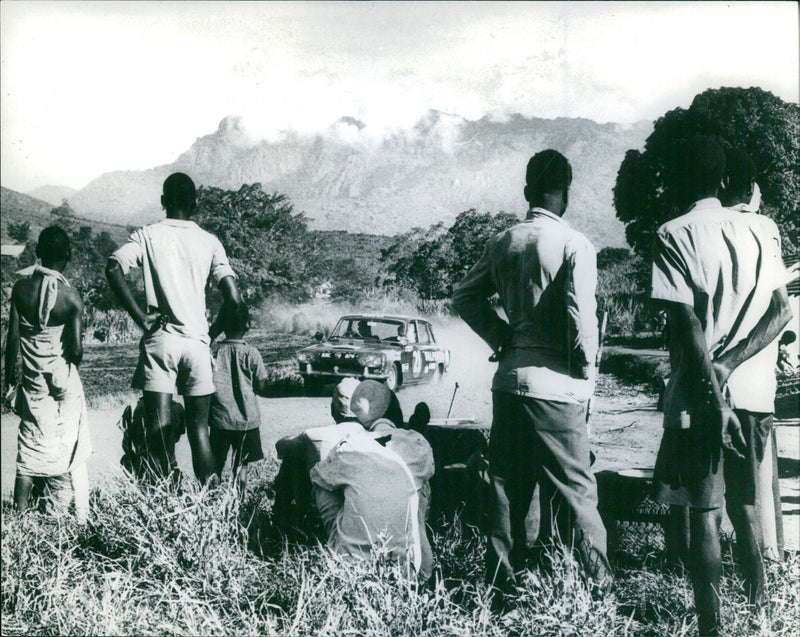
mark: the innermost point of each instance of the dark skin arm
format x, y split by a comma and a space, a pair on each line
73, 330
119, 286
12, 345
230, 301
689, 335
778, 314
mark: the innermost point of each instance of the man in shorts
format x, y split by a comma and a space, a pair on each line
720, 275
177, 258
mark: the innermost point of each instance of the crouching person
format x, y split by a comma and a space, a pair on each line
45, 326
298, 454
373, 486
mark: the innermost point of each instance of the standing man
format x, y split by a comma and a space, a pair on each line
720, 275
545, 274
743, 195
178, 258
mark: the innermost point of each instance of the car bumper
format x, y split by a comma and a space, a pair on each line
308, 373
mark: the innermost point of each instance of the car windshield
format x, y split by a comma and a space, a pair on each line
372, 329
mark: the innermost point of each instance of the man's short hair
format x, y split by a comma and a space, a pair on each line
548, 171
699, 166
740, 171
179, 192
53, 245
237, 318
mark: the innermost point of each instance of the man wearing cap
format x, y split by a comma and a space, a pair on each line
373, 486
298, 454
545, 274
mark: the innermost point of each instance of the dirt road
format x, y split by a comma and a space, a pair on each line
626, 430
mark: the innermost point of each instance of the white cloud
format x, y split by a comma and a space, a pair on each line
92, 87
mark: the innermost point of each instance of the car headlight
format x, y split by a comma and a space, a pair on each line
303, 357
370, 360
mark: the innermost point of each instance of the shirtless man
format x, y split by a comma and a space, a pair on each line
178, 258
46, 327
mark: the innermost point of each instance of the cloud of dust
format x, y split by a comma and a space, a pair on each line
469, 354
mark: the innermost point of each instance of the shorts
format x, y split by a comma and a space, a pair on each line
692, 470
246, 446
168, 361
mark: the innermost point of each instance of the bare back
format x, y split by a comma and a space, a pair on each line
26, 301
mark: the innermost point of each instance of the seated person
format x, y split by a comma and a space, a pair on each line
401, 333
364, 329
787, 364
135, 451
368, 484
299, 453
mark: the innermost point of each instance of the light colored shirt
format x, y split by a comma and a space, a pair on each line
725, 265
239, 375
545, 273
321, 440
367, 497
177, 258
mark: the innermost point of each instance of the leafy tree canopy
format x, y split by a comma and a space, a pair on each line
269, 246
758, 122
430, 261
19, 232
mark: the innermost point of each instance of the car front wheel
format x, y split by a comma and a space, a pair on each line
393, 378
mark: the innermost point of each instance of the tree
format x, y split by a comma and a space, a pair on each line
430, 261
19, 232
269, 245
758, 122
609, 257
64, 215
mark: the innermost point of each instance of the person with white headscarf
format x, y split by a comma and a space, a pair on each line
45, 330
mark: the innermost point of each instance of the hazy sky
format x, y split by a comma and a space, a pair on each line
93, 87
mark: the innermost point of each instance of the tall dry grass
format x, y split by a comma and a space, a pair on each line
110, 327
190, 561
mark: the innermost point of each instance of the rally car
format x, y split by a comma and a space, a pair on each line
398, 350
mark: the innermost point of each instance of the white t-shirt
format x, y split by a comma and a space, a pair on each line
726, 265
177, 258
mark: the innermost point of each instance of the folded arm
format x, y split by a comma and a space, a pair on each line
778, 314
688, 335
471, 302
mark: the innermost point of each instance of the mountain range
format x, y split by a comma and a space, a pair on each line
349, 178
52, 194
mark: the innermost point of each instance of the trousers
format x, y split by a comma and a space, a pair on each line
542, 442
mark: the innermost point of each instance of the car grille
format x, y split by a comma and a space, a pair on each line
346, 362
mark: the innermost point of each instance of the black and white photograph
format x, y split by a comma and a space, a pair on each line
400, 318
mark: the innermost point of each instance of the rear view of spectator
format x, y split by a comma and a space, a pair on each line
235, 418
45, 326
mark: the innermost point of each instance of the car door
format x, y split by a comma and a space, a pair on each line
411, 358
429, 351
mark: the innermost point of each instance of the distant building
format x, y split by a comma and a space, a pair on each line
11, 250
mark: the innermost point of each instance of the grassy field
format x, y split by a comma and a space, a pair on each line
106, 369
189, 561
